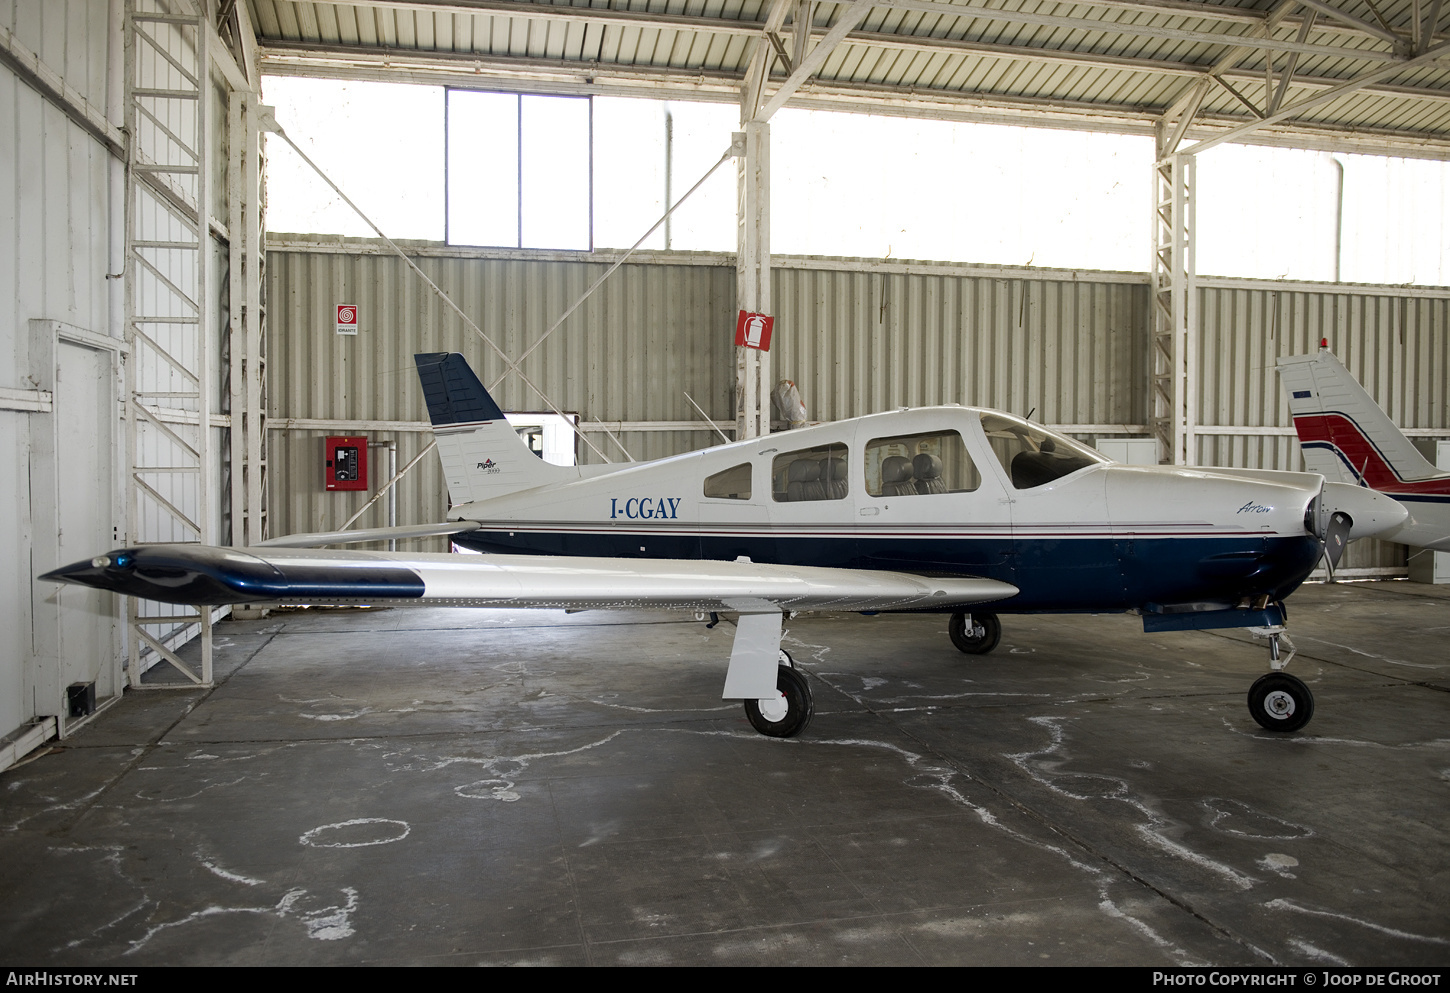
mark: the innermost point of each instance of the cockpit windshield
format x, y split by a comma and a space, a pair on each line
1031, 454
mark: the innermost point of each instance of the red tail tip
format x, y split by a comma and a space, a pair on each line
1323, 342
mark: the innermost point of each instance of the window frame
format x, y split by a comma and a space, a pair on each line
519, 97
749, 493
815, 453
884, 441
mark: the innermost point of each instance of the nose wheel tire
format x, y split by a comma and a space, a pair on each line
786, 714
1280, 702
977, 638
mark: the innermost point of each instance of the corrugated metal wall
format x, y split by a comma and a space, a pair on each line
856, 336
1393, 342
56, 214
857, 342
628, 354
62, 242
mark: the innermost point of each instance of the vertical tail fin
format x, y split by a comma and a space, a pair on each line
1344, 434
482, 455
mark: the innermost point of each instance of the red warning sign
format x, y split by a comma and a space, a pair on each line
347, 318
753, 330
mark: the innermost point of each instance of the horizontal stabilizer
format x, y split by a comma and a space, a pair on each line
317, 539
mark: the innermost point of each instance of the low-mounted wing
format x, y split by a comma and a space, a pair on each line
202, 574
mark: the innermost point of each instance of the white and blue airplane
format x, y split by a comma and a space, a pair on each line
1347, 437
936, 510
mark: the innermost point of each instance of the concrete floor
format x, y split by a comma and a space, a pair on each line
507, 787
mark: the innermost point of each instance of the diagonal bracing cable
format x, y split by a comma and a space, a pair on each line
438, 290
729, 154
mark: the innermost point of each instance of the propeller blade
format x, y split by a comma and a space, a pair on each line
1336, 536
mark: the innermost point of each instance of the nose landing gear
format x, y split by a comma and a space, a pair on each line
1277, 700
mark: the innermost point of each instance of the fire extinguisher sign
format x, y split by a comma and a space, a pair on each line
347, 318
753, 330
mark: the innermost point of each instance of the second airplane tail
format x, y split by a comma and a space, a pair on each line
482, 455
1343, 432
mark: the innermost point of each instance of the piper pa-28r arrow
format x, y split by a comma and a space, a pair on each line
1347, 437
939, 509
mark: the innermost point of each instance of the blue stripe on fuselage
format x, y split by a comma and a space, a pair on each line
1064, 574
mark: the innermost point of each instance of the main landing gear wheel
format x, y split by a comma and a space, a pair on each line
786, 714
978, 639
1281, 702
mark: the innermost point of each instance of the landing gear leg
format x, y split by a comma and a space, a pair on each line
763, 675
1277, 700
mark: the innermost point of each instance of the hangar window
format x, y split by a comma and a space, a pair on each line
1033, 455
519, 171
809, 474
732, 484
920, 464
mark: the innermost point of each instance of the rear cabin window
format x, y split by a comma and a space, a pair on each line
809, 474
1033, 456
920, 465
732, 484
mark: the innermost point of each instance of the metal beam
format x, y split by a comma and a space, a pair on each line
639, 19
1288, 75
1427, 29
716, 86
49, 83
1187, 111
1309, 103
1329, 10
276, 55
1254, 40
565, 14
801, 26
757, 73
1227, 61
849, 19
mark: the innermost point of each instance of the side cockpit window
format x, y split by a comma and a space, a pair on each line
1032, 455
732, 484
920, 465
809, 474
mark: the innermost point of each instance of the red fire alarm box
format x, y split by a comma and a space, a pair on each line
347, 463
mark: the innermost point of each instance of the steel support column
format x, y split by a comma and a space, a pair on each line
246, 377
1173, 392
752, 280
170, 314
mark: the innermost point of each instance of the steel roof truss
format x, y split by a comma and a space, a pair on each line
1381, 30
719, 25
1288, 73
845, 24
1427, 27
1318, 99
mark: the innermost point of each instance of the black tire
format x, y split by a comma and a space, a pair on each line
786, 659
1280, 702
788, 715
986, 632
